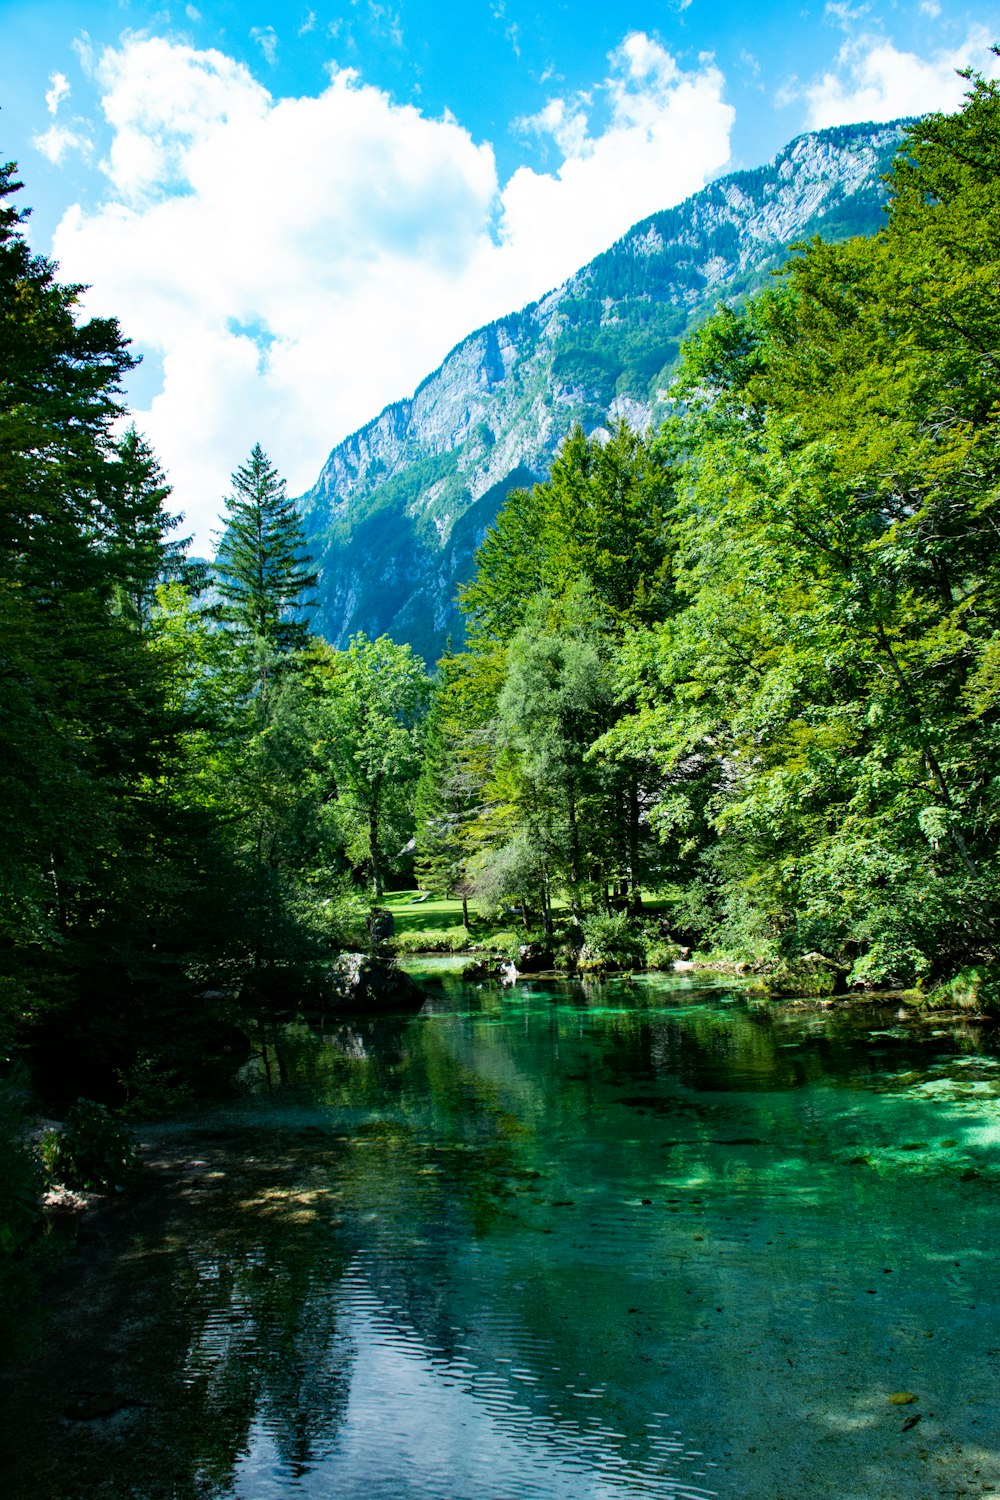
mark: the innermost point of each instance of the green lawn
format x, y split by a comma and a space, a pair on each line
436, 913
431, 915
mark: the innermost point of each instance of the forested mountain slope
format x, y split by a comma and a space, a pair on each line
401, 505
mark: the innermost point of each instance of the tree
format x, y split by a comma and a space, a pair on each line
602, 515
835, 666
566, 572
371, 708
445, 795
263, 570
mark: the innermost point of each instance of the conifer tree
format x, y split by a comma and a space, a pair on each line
264, 572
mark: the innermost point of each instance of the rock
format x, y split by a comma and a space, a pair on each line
363, 983
381, 925
533, 958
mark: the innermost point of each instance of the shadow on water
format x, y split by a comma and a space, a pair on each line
612, 1241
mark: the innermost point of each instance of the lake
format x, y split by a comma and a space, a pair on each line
602, 1242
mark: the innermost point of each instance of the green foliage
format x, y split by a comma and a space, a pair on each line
975, 989
369, 740
431, 940
263, 570
602, 516
823, 694
612, 940
93, 1150
802, 978
661, 952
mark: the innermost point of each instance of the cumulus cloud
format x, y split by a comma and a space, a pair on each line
58, 91
668, 132
59, 139
874, 80
297, 263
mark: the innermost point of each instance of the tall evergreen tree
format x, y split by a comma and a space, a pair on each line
264, 572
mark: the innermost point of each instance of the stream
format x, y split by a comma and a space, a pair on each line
560, 1241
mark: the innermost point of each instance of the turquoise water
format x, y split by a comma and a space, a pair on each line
638, 1240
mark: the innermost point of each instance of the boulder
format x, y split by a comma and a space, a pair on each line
365, 983
533, 958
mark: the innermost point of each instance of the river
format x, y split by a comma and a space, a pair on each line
646, 1239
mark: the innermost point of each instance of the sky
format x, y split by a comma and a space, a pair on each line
295, 210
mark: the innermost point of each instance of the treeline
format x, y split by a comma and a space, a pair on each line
753, 661
193, 790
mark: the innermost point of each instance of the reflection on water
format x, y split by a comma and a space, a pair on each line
628, 1241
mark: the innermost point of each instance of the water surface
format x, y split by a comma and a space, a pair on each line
633, 1240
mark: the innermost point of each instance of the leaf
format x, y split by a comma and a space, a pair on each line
902, 1398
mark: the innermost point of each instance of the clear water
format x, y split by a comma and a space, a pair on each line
640, 1240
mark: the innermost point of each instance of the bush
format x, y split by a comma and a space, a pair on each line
153, 1089
93, 1150
972, 989
800, 978
611, 940
661, 953
434, 940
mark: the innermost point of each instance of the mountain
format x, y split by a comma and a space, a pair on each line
401, 505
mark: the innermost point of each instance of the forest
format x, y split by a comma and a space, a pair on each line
733, 686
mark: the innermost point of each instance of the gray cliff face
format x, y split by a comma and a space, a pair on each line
400, 507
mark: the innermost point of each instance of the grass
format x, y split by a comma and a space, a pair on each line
438, 913
431, 915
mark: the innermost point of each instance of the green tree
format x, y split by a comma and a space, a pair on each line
445, 798
263, 570
835, 666
373, 699
602, 515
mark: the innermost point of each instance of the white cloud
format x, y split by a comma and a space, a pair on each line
55, 142
267, 40
873, 80
668, 132
57, 92
58, 140
298, 263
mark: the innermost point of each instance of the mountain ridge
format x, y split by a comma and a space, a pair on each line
401, 504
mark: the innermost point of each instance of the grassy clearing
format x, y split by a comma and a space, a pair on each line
437, 914
433, 915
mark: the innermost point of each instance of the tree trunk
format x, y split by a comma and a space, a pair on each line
465, 911
633, 842
377, 886
574, 855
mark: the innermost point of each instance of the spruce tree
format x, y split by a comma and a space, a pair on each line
262, 565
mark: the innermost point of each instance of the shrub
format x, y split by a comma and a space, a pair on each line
661, 953
612, 940
434, 940
797, 979
972, 989
93, 1150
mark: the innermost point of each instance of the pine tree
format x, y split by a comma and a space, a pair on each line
263, 569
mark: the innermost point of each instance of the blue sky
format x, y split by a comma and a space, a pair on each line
295, 210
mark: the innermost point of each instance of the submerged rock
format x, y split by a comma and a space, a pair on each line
365, 983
